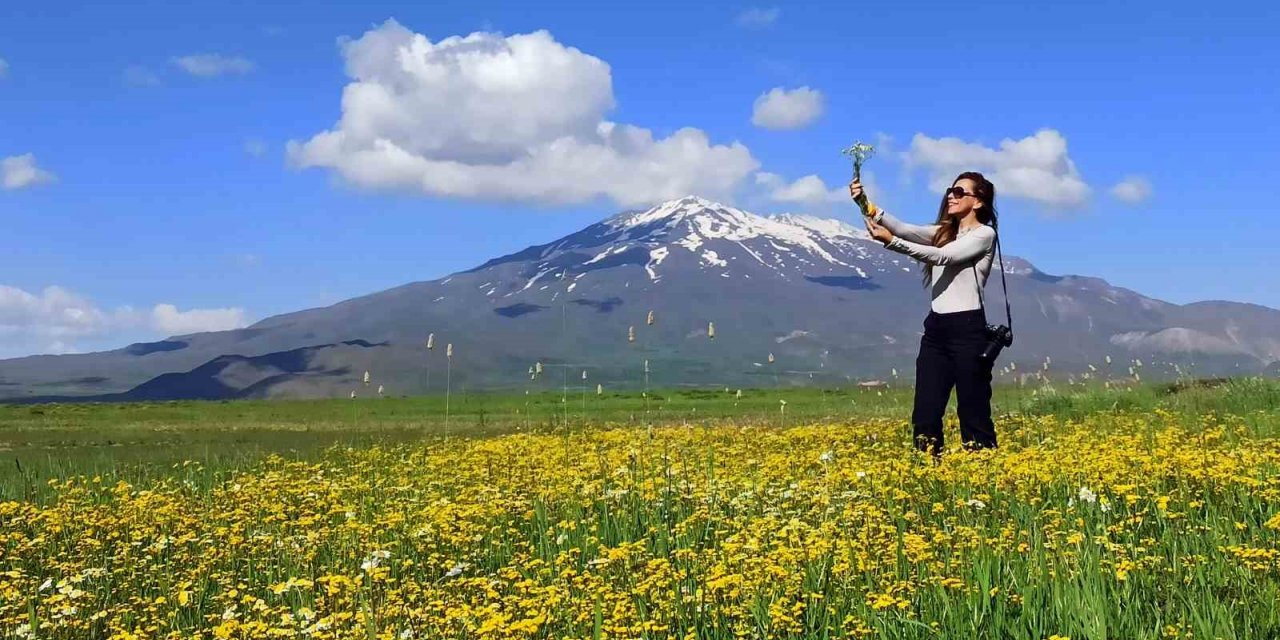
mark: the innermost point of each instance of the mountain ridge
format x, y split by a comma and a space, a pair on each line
847, 308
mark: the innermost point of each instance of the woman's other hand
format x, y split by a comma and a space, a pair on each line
881, 234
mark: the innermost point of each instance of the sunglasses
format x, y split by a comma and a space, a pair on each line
957, 192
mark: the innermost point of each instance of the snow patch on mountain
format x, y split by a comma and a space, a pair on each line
797, 333
606, 253
826, 227
690, 242
656, 256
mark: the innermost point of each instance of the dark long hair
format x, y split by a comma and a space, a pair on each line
949, 226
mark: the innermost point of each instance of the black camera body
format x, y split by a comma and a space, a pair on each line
998, 337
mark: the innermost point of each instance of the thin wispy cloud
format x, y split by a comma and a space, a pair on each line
247, 260
139, 76
20, 172
209, 65
4, 68
255, 147
756, 17
1132, 190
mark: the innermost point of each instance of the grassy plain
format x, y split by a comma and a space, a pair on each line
1136, 511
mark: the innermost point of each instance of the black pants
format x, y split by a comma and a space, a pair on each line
949, 356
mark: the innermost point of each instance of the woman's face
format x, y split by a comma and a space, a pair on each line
961, 206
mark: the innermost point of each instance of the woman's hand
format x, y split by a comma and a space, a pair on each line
881, 234
859, 196
855, 190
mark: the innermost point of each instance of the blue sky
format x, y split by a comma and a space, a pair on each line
149, 186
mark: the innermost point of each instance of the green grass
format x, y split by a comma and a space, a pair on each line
140, 441
699, 497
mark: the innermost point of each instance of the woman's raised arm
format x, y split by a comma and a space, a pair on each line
913, 232
961, 250
922, 233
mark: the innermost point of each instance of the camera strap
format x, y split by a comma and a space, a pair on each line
1003, 284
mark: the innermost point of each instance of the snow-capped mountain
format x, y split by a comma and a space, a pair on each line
831, 305
695, 233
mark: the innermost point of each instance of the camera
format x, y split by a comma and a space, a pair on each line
998, 337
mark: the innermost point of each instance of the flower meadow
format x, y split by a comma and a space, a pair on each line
1114, 525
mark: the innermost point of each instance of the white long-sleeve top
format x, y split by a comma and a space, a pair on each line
955, 286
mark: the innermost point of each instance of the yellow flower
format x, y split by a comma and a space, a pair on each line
1273, 522
881, 601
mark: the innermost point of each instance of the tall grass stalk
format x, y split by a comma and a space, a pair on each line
448, 388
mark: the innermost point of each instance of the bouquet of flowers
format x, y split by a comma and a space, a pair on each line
858, 153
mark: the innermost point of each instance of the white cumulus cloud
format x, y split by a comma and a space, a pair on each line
17, 172
519, 117
1133, 189
809, 190
812, 191
757, 17
1036, 167
167, 319
783, 109
208, 65
54, 313
56, 320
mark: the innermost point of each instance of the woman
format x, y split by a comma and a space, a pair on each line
956, 252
